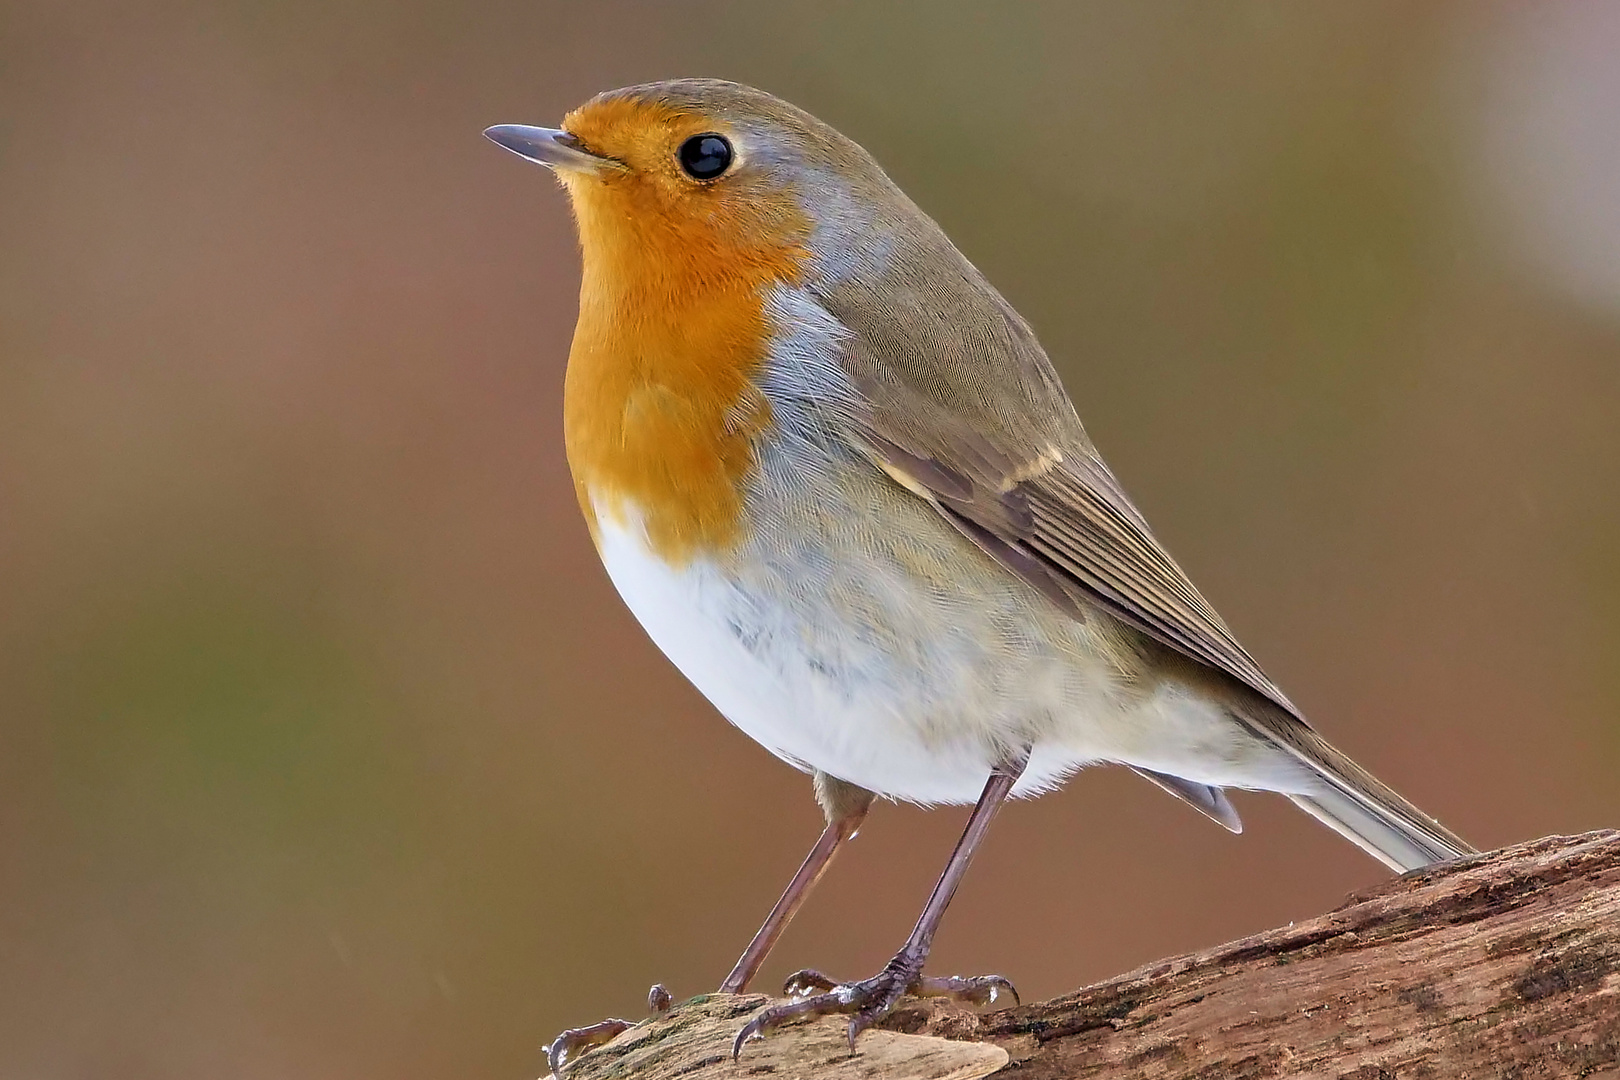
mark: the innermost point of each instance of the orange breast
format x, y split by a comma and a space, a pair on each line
661, 411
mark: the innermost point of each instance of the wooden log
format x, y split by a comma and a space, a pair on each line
1504, 965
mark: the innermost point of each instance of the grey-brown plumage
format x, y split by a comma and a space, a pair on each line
960, 405
918, 578
944, 388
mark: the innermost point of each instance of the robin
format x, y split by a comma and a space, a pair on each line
836, 478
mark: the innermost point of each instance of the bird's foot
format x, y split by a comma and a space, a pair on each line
869, 1000
968, 989
568, 1046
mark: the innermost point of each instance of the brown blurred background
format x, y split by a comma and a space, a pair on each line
326, 749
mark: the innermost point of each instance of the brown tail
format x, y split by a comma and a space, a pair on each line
1362, 808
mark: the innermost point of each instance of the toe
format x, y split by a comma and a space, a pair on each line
806, 982
843, 999
575, 1041
976, 990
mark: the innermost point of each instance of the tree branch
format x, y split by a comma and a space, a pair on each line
1505, 965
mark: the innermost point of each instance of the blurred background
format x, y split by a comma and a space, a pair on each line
326, 748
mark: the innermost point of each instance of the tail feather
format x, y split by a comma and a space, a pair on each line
1206, 799
1363, 809
1394, 840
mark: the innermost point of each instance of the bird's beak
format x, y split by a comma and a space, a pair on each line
550, 147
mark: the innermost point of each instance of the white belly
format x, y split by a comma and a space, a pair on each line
920, 717
740, 651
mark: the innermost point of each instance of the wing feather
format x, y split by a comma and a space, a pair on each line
957, 402
950, 394
1070, 532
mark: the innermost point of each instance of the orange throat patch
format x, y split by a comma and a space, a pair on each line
661, 411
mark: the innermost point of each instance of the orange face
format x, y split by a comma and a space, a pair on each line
743, 217
661, 412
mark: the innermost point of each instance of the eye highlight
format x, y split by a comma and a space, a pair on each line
706, 156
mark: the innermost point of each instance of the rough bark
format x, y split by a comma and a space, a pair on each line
1505, 965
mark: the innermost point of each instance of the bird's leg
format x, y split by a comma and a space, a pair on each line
846, 807
871, 999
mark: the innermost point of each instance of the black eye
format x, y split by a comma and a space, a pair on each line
705, 157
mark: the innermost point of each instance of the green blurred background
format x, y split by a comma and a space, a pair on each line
326, 749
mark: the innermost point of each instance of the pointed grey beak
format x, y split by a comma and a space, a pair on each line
550, 147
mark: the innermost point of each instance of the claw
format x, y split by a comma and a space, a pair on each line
750, 1031
571, 1043
860, 1022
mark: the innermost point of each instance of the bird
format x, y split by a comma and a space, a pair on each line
837, 480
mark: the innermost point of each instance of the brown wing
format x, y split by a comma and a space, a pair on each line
1071, 532
959, 404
